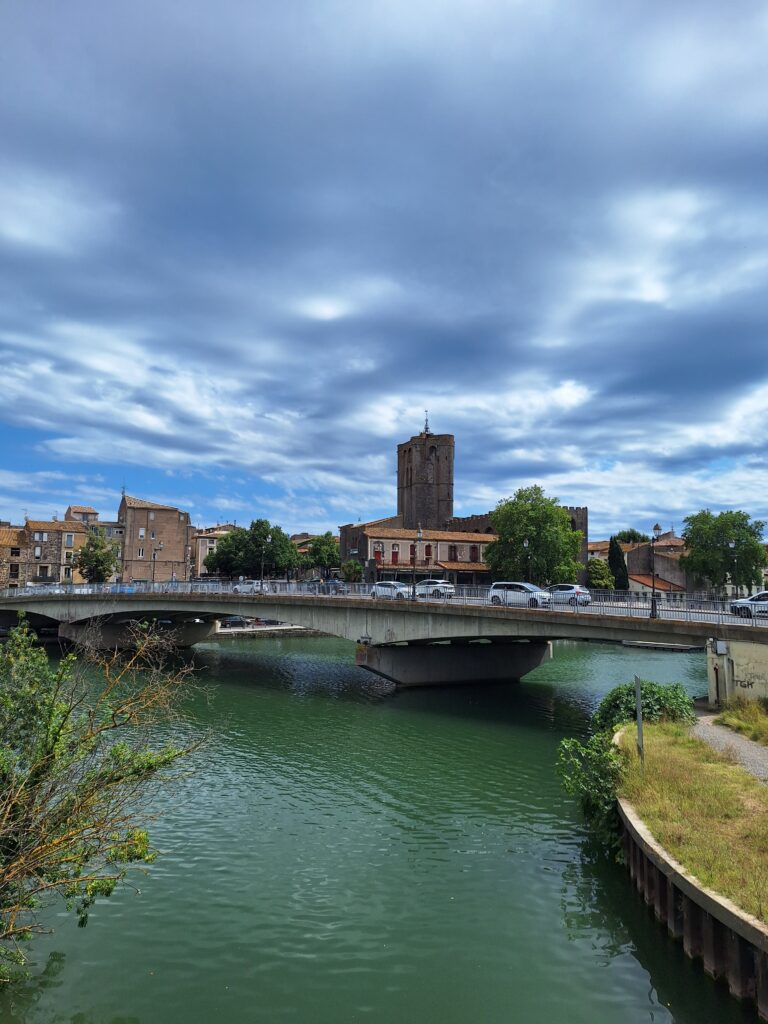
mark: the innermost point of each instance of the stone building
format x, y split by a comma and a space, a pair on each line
157, 541
425, 480
14, 555
40, 551
204, 543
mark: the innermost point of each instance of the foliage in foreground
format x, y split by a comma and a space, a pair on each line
709, 813
593, 771
76, 767
749, 717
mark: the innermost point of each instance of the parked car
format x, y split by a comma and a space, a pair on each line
234, 622
390, 589
746, 607
435, 588
569, 593
333, 586
251, 587
527, 594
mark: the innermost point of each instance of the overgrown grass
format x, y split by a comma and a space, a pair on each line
749, 717
707, 812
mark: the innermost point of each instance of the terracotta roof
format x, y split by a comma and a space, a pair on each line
140, 503
445, 535
83, 508
664, 585
57, 526
12, 538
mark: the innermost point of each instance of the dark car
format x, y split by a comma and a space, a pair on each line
333, 586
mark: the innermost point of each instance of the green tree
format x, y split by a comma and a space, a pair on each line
724, 548
599, 575
632, 536
242, 552
552, 549
352, 571
618, 564
228, 558
98, 558
324, 552
76, 759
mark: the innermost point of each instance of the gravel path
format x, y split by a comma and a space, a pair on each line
750, 755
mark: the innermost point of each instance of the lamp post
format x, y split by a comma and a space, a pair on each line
419, 537
732, 566
527, 562
154, 558
267, 540
654, 604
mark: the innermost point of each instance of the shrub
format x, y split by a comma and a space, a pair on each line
591, 772
659, 702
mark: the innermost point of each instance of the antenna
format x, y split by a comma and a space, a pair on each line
426, 421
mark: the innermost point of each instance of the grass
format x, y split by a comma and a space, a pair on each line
707, 812
749, 717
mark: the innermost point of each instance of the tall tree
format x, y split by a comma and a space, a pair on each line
618, 564
77, 762
599, 575
324, 552
243, 552
98, 558
535, 540
724, 548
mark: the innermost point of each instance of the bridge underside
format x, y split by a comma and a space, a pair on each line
468, 661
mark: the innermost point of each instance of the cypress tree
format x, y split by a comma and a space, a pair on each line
617, 564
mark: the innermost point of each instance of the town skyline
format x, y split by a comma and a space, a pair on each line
243, 248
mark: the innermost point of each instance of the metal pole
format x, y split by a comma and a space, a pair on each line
639, 708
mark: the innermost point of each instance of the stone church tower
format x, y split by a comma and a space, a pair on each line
425, 480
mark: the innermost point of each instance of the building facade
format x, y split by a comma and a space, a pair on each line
425, 480
157, 541
40, 551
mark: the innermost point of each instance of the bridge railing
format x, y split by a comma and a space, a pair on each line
671, 607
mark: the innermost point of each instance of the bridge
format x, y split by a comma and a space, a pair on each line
412, 643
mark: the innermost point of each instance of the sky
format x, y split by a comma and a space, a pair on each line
245, 244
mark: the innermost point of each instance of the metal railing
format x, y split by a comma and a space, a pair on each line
669, 607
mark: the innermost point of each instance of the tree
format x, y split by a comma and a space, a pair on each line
324, 552
243, 552
98, 558
618, 564
551, 553
724, 548
632, 536
599, 575
76, 759
352, 571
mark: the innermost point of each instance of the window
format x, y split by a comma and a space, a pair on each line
69, 540
151, 515
67, 572
395, 554
152, 535
453, 553
378, 551
68, 556
118, 533
142, 533
140, 553
474, 553
38, 551
42, 572
412, 554
15, 552
427, 550
13, 570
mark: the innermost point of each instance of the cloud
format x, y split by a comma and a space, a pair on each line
243, 249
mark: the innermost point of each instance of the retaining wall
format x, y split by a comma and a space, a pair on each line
731, 944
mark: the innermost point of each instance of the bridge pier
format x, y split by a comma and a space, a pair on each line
458, 662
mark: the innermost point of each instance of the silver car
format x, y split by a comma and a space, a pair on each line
569, 593
746, 607
527, 594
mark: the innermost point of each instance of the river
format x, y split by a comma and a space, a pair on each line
346, 853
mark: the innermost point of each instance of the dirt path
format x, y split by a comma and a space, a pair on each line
750, 755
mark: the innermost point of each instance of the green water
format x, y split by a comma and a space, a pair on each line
345, 853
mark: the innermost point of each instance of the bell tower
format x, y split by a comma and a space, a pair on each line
425, 480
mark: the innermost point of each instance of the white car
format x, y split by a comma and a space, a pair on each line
527, 594
746, 607
435, 588
390, 589
251, 587
569, 593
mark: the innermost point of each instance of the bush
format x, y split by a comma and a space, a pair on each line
670, 703
591, 772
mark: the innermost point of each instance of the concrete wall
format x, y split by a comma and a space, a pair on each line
736, 668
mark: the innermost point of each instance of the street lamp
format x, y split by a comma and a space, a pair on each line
154, 558
419, 538
267, 540
732, 566
527, 562
654, 538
